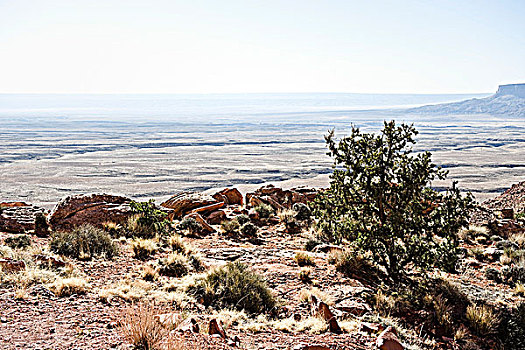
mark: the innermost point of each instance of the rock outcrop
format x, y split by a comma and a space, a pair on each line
183, 203
278, 198
18, 217
94, 209
517, 90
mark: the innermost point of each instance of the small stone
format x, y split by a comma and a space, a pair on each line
215, 328
388, 340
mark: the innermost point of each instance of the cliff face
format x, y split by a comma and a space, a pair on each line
517, 90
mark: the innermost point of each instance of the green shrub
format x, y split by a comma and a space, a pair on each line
264, 210
18, 241
190, 225
242, 219
302, 211
234, 286
175, 265
143, 249
230, 227
148, 221
380, 198
249, 229
83, 242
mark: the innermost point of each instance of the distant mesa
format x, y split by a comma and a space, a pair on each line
509, 100
517, 90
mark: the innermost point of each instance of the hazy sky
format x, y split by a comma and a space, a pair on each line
155, 46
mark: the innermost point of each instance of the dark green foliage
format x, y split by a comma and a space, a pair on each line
191, 225
311, 243
249, 229
242, 219
380, 199
264, 210
512, 328
234, 286
302, 211
195, 263
83, 242
18, 241
513, 274
151, 221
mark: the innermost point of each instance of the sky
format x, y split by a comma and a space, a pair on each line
244, 46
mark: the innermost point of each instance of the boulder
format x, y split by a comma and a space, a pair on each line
278, 198
320, 309
388, 340
216, 217
354, 307
189, 325
208, 208
229, 196
206, 228
18, 217
216, 328
94, 209
183, 203
10, 265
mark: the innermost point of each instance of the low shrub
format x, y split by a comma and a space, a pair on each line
513, 274
234, 286
175, 265
264, 210
305, 274
350, 263
112, 228
311, 243
230, 227
303, 259
195, 262
249, 229
302, 211
242, 219
483, 321
18, 241
492, 274
83, 242
149, 273
143, 249
190, 225
148, 221
177, 244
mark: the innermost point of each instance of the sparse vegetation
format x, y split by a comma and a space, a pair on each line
139, 327
190, 225
482, 319
18, 241
175, 265
230, 227
63, 287
264, 210
249, 229
143, 249
83, 242
148, 220
234, 286
303, 259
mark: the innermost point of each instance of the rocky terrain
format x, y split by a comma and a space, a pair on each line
51, 298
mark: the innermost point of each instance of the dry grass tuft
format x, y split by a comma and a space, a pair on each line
303, 259
483, 321
139, 327
63, 287
143, 249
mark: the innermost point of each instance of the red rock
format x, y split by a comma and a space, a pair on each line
208, 208
216, 328
50, 260
94, 209
206, 228
319, 308
230, 196
388, 340
216, 217
18, 217
185, 202
188, 325
353, 307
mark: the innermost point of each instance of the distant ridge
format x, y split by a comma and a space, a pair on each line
509, 100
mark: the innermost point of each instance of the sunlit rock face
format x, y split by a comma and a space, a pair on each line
517, 90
